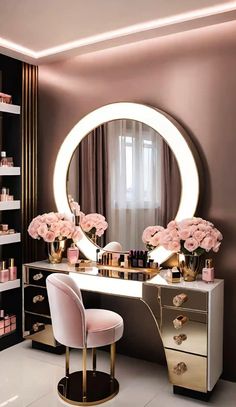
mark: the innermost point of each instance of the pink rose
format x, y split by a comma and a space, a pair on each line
208, 243
172, 225
199, 235
174, 246
191, 244
49, 237
216, 247
33, 232
184, 233
50, 218
149, 232
42, 230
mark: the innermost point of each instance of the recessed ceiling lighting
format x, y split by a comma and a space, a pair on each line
121, 32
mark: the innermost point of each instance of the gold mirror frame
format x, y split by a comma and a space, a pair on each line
166, 126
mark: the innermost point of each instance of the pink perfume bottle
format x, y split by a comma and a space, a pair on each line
208, 272
12, 270
4, 273
72, 254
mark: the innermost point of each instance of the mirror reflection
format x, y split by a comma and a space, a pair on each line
125, 171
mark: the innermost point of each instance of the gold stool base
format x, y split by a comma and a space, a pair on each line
100, 388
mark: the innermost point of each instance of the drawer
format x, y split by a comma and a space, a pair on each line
186, 370
37, 277
39, 329
36, 300
191, 336
196, 300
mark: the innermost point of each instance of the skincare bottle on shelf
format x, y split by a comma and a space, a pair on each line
12, 270
72, 254
3, 161
208, 272
4, 273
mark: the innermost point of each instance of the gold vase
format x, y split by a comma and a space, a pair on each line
189, 265
55, 250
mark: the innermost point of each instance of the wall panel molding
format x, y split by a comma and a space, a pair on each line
29, 157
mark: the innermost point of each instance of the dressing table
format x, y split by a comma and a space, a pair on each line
193, 351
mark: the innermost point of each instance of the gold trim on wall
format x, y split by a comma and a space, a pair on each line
29, 157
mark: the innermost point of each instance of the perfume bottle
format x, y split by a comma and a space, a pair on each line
72, 254
12, 270
208, 273
4, 273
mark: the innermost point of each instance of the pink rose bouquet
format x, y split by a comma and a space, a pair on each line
151, 236
191, 236
53, 226
93, 224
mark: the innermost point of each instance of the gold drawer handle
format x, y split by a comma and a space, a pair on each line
38, 298
179, 299
179, 338
180, 321
180, 368
37, 277
38, 326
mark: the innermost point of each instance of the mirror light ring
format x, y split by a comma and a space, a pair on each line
166, 126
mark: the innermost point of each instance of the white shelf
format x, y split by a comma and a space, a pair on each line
9, 285
9, 170
8, 205
9, 108
11, 238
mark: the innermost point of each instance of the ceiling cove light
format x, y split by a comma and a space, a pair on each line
163, 124
122, 32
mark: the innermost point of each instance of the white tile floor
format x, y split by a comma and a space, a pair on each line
29, 377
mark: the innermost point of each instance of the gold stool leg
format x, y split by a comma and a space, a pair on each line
113, 359
94, 358
67, 361
84, 378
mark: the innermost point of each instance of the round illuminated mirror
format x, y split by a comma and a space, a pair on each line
140, 145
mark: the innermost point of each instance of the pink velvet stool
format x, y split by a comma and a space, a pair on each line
76, 327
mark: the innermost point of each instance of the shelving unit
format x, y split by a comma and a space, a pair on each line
9, 170
9, 285
10, 238
9, 205
10, 177
9, 108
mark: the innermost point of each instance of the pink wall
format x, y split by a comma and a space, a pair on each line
192, 77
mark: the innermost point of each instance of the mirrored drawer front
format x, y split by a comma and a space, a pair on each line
186, 370
36, 300
184, 298
185, 331
38, 277
39, 329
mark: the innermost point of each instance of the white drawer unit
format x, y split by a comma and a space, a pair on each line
191, 328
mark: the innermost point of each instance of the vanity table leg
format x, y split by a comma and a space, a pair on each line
113, 358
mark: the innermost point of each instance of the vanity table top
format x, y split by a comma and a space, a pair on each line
89, 280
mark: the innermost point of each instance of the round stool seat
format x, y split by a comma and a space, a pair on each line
103, 327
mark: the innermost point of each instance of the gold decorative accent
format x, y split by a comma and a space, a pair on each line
113, 359
179, 338
55, 251
180, 321
189, 266
29, 157
38, 276
180, 368
38, 298
179, 299
84, 384
94, 358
